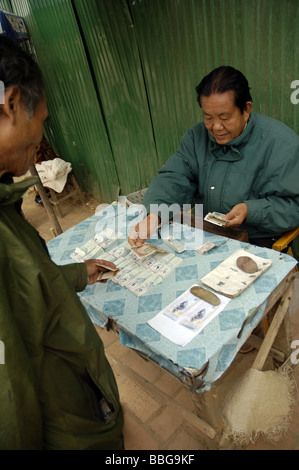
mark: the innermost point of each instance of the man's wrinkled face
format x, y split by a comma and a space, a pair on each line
20, 133
222, 118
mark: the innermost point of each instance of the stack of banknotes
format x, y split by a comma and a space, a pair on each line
139, 269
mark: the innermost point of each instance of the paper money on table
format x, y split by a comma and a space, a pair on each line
106, 237
146, 250
205, 247
87, 251
176, 245
215, 218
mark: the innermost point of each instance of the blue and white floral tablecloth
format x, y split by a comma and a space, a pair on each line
218, 343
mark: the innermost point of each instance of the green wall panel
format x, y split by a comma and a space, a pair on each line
181, 41
121, 74
5, 5
76, 122
114, 59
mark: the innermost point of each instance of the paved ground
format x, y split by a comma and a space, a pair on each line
159, 410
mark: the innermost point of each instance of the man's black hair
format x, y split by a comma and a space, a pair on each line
18, 68
222, 79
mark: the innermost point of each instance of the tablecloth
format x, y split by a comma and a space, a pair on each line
218, 344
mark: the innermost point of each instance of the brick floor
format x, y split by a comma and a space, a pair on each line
152, 401
156, 421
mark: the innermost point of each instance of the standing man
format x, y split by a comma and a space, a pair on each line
57, 388
236, 162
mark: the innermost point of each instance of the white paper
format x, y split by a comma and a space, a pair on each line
230, 280
185, 317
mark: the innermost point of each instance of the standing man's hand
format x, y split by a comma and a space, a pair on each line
236, 216
144, 230
93, 269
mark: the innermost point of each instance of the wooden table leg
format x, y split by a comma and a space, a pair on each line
273, 328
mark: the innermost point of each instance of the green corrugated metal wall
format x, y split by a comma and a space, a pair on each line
183, 40
114, 59
76, 122
120, 74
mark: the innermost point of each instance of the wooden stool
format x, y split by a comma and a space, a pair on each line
71, 189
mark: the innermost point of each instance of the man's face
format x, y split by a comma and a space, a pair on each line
28, 136
222, 118
20, 135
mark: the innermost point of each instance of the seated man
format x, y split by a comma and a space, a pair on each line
57, 388
236, 162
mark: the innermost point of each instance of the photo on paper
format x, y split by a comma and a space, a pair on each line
180, 306
195, 319
186, 316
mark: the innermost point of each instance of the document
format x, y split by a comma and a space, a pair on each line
230, 279
186, 316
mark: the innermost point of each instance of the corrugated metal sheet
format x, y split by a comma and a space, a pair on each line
76, 120
182, 40
114, 59
5, 5
121, 74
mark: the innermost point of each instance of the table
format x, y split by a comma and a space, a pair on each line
202, 361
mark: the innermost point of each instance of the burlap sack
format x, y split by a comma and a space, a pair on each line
259, 404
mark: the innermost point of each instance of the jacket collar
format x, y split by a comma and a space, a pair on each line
11, 192
232, 150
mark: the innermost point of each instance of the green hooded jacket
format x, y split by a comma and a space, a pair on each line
260, 168
57, 388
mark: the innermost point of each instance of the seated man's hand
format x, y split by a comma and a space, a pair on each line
144, 230
236, 216
93, 269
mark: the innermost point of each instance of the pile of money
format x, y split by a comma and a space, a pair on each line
176, 245
146, 250
88, 251
95, 247
138, 269
143, 268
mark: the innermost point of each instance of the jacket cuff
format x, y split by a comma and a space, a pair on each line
76, 274
256, 211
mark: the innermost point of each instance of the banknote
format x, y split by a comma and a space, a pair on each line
109, 274
120, 250
205, 247
163, 269
215, 218
88, 251
176, 245
142, 287
127, 274
146, 250
106, 237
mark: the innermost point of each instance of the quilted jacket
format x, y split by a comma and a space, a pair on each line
57, 390
260, 168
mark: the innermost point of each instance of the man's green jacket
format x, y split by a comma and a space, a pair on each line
260, 168
57, 390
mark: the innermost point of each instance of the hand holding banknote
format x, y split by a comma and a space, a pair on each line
236, 216
144, 230
95, 267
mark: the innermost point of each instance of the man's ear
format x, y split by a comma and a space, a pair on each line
247, 110
12, 100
